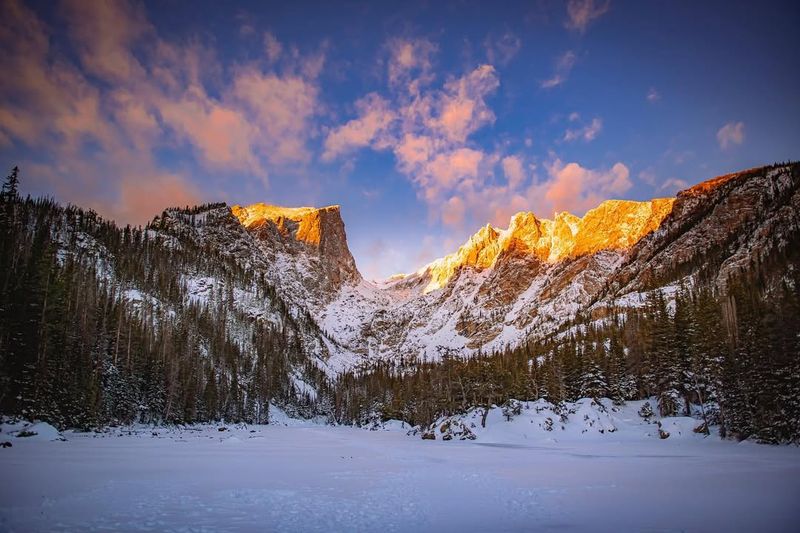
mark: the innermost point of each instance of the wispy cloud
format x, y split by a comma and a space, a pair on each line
587, 132
580, 13
564, 65
730, 134
501, 50
673, 185
653, 95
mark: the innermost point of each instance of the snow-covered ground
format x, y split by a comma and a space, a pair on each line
306, 478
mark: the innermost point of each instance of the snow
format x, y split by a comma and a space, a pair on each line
41, 431
310, 478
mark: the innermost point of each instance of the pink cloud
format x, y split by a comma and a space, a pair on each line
281, 108
413, 151
571, 187
501, 50
143, 92
673, 185
587, 132
272, 47
564, 66
580, 13
221, 135
513, 171
374, 118
104, 33
453, 211
462, 108
410, 63
137, 203
730, 134
447, 169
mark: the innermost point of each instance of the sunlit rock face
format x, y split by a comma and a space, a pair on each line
315, 234
613, 225
504, 286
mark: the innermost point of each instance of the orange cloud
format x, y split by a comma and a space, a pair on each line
136, 201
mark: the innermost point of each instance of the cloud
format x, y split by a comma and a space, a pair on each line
222, 136
272, 47
673, 185
587, 133
513, 170
730, 134
281, 108
427, 129
653, 95
564, 65
375, 116
648, 176
448, 169
103, 34
410, 63
580, 13
136, 199
462, 107
104, 104
501, 50
453, 211
571, 187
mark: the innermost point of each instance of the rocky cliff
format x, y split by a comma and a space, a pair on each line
505, 285
308, 243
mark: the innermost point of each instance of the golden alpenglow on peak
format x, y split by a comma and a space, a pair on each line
612, 225
308, 219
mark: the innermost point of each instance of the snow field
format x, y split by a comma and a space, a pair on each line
308, 478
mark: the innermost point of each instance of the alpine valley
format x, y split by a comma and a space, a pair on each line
224, 312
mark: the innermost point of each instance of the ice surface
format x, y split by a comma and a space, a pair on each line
310, 478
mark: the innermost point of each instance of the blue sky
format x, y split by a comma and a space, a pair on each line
424, 121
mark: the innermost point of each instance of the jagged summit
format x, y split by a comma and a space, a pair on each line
612, 225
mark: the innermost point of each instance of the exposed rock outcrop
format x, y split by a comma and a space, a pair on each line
505, 285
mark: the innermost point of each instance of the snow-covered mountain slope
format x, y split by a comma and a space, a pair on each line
505, 285
302, 271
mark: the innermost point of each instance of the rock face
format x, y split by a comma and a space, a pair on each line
613, 225
317, 235
505, 285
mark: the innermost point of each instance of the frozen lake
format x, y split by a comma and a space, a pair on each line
317, 478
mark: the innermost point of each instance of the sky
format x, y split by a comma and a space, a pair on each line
423, 120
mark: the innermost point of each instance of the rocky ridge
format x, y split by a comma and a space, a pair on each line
505, 285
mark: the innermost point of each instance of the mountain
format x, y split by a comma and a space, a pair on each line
504, 286
216, 312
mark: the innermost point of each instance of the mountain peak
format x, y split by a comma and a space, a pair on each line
614, 224
297, 230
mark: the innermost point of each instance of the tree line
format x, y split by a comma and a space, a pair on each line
97, 326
